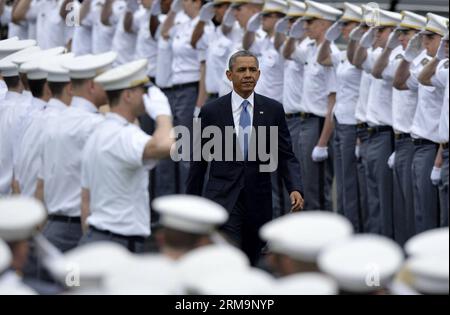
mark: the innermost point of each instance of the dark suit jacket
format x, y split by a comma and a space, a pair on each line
228, 178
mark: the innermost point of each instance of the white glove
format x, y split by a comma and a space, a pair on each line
436, 176
132, 5
156, 103
393, 40
196, 111
177, 6
440, 55
333, 32
156, 7
282, 25
207, 12
358, 151
297, 29
228, 18
391, 160
368, 38
357, 33
254, 23
413, 49
319, 154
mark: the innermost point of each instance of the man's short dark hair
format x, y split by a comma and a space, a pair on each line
114, 97
57, 88
76, 83
12, 82
241, 53
37, 87
181, 240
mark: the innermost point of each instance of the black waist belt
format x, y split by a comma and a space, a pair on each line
445, 146
65, 219
423, 142
302, 115
124, 237
376, 129
185, 85
399, 136
362, 126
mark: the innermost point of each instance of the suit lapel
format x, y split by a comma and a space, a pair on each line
227, 112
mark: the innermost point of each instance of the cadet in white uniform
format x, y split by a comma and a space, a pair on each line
117, 157
403, 109
425, 126
82, 33
379, 118
271, 62
50, 16
187, 222
296, 240
105, 16
435, 73
26, 160
186, 62
318, 95
58, 183
19, 221
348, 82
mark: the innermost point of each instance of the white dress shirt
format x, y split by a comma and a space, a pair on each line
440, 81
114, 172
319, 81
236, 102
27, 163
429, 105
63, 144
348, 83
146, 45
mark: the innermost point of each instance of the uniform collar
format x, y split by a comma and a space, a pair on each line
118, 118
11, 95
37, 102
84, 104
57, 104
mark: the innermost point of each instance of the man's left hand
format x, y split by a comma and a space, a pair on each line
297, 201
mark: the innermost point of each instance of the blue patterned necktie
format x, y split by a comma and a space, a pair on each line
244, 124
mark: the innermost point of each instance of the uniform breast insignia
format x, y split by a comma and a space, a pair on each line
399, 56
424, 61
446, 65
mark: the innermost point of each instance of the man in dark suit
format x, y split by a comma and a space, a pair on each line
240, 183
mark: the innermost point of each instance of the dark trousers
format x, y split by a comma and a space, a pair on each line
362, 180
444, 189
403, 191
134, 244
243, 226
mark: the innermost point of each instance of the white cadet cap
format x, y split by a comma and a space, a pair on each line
235, 282
429, 274
363, 263
92, 262
352, 13
209, 260
307, 283
240, 2
431, 242
388, 19
296, 8
189, 213
275, 6
32, 67
9, 68
90, 66
315, 10
125, 76
436, 24
144, 274
11, 46
302, 236
411, 20
20, 217
5, 256
53, 67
